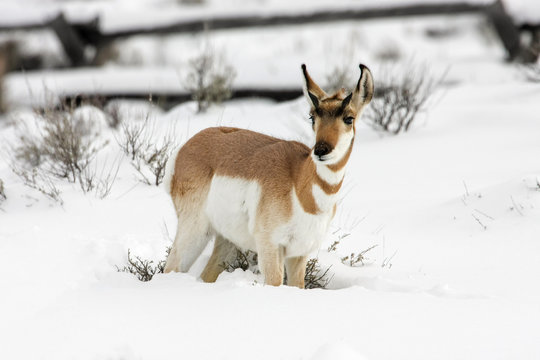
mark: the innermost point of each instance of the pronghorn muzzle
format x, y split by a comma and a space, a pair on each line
321, 149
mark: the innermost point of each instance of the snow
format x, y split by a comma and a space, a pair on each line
452, 205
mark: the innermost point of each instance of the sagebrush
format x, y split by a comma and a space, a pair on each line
143, 269
147, 151
406, 91
2, 191
40, 181
61, 144
209, 79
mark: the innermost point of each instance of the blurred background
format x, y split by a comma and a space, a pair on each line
53, 50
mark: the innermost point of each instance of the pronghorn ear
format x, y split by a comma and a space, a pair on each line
363, 92
313, 92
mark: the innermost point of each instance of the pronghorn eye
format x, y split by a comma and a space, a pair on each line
348, 120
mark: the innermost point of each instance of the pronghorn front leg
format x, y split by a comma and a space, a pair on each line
296, 270
270, 259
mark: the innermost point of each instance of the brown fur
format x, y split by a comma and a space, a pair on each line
278, 166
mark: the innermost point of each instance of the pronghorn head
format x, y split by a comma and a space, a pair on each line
334, 116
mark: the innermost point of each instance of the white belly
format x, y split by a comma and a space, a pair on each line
231, 207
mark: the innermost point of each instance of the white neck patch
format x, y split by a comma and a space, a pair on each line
329, 176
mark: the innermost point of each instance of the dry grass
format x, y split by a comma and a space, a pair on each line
355, 259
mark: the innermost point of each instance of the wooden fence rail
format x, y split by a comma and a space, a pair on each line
75, 37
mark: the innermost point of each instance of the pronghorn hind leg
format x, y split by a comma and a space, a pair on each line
192, 234
224, 252
296, 270
270, 259
187, 246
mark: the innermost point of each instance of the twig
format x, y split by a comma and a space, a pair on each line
482, 213
386, 261
516, 206
479, 222
466, 189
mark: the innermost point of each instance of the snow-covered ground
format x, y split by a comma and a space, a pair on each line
453, 207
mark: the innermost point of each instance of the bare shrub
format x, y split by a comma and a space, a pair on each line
2, 191
154, 160
6, 51
134, 138
406, 94
209, 79
245, 260
113, 115
101, 183
339, 77
63, 146
38, 180
143, 269
148, 153
316, 277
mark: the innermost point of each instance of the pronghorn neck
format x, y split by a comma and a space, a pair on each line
318, 184
333, 173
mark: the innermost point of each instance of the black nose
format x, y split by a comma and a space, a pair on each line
321, 149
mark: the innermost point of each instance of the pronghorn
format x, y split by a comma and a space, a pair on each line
257, 192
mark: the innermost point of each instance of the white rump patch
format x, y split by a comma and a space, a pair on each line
169, 170
231, 206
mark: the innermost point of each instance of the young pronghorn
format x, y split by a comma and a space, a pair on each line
261, 193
